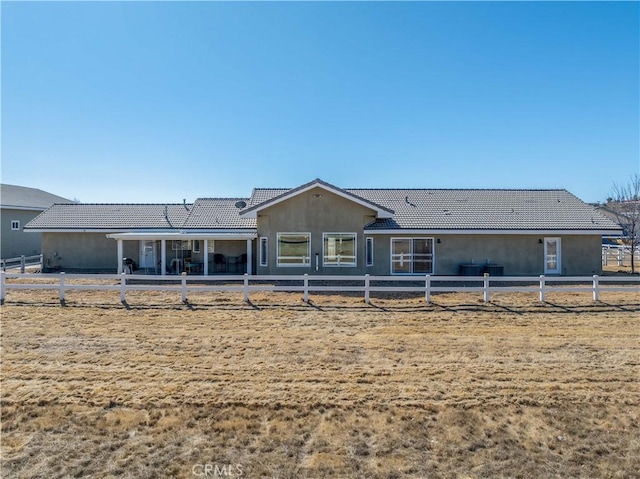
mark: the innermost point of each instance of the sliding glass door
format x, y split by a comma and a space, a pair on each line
411, 255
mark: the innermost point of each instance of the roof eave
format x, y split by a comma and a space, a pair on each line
479, 231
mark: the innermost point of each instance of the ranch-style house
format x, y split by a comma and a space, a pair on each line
321, 229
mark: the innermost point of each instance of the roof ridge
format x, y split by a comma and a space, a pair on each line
456, 189
223, 198
123, 204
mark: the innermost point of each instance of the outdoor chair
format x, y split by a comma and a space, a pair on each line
219, 263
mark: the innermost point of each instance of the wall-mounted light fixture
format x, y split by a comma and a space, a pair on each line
438, 241
540, 241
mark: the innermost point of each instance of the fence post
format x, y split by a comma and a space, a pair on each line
485, 287
367, 298
2, 287
61, 287
183, 280
123, 287
596, 288
306, 288
22, 263
427, 289
245, 288
542, 287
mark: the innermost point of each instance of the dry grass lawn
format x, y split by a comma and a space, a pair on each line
282, 389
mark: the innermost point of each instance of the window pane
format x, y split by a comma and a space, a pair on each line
412, 255
422, 246
552, 254
294, 249
369, 252
263, 251
422, 266
401, 256
423, 255
339, 249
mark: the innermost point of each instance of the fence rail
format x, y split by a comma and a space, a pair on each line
21, 262
619, 254
540, 285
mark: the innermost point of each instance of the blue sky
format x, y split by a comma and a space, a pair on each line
160, 101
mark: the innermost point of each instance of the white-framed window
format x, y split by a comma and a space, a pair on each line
264, 242
368, 251
339, 249
294, 249
196, 246
411, 255
180, 245
15, 225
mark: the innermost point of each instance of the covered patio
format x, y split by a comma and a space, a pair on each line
200, 253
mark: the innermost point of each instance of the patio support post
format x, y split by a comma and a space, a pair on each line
163, 257
249, 258
120, 256
205, 256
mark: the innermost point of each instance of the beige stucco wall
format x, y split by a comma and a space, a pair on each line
581, 255
518, 254
90, 252
306, 213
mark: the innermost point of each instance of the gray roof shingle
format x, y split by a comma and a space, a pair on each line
466, 209
24, 197
417, 209
484, 210
212, 213
111, 216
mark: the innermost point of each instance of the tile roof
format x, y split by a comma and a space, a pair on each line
211, 213
260, 195
484, 209
85, 216
420, 209
23, 197
458, 209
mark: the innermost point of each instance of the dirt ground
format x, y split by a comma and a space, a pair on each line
335, 388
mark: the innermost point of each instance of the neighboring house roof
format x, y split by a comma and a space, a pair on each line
24, 198
623, 216
263, 199
110, 217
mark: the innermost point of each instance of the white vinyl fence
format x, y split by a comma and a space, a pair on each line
21, 262
619, 255
184, 284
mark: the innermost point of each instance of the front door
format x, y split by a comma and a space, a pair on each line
552, 256
147, 254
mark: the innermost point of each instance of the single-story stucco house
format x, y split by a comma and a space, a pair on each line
318, 228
